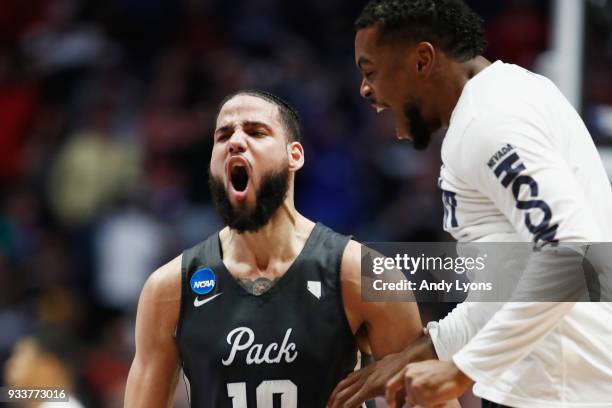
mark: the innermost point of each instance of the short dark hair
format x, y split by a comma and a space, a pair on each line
289, 117
448, 24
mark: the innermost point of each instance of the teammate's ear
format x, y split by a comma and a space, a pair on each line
295, 153
425, 58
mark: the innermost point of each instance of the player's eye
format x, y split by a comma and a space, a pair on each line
221, 137
258, 132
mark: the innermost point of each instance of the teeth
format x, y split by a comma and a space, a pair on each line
380, 109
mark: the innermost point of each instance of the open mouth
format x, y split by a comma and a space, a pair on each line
380, 107
239, 177
238, 173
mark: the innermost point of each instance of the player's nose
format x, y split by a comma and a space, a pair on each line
366, 90
237, 142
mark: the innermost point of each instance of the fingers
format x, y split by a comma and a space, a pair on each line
420, 391
341, 400
359, 397
340, 390
394, 386
350, 386
411, 395
400, 398
356, 400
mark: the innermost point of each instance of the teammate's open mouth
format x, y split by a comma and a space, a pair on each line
239, 177
386, 111
380, 107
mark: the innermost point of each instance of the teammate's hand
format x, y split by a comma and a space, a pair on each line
369, 382
428, 383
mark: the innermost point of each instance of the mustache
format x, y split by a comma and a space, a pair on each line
268, 198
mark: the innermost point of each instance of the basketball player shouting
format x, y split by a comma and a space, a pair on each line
268, 311
518, 165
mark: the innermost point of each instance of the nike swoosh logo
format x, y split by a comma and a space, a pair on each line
197, 302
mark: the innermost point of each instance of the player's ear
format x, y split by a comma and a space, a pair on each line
295, 153
425, 59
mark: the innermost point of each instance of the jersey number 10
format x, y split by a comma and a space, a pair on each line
265, 394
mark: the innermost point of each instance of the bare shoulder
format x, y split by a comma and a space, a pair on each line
390, 325
161, 295
165, 282
154, 371
351, 263
350, 281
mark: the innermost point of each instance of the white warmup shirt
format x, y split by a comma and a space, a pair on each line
520, 165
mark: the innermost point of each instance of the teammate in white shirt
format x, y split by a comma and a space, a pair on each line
518, 165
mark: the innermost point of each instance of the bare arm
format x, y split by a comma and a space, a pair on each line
154, 371
388, 328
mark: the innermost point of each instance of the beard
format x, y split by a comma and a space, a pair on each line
268, 198
419, 130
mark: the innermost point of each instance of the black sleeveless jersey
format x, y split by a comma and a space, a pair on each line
286, 348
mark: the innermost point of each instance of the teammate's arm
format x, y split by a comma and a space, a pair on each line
154, 371
535, 188
515, 164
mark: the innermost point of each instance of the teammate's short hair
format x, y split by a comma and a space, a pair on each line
289, 117
448, 24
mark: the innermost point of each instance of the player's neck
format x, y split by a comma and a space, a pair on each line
280, 240
460, 74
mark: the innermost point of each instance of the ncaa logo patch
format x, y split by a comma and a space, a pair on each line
203, 281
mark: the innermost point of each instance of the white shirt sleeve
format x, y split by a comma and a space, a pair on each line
532, 183
534, 187
454, 331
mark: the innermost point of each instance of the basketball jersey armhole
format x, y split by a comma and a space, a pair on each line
341, 292
186, 260
183, 297
342, 242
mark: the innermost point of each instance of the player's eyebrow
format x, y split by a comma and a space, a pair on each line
223, 129
246, 123
254, 123
361, 61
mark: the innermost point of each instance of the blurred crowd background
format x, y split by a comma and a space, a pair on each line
106, 117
